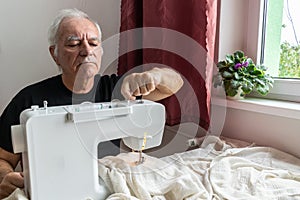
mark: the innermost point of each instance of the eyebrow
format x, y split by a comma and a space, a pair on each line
76, 38
72, 37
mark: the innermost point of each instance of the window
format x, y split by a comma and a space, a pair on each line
280, 46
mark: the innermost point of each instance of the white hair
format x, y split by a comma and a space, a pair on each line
67, 13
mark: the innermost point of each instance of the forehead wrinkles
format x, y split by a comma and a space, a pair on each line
77, 28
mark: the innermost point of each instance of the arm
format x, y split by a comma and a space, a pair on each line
9, 180
155, 84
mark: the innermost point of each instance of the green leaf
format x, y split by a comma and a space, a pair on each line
231, 92
226, 74
247, 87
263, 90
262, 83
250, 68
217, 80
236, 76
257, 72
239, 54
250, 61
234, 84
221, 64
231, 68
229, 58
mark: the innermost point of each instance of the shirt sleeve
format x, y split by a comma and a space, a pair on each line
9, 117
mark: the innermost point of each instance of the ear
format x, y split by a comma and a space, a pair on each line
52, 50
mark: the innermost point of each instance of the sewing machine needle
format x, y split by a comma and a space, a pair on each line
141, 158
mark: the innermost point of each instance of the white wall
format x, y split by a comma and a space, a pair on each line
263, 122
24, 56
232, 28
263, 129
238, 31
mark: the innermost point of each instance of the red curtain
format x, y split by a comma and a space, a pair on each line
177, 34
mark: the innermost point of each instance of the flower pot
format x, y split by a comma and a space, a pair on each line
238, 96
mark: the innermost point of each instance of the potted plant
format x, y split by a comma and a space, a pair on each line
239, 75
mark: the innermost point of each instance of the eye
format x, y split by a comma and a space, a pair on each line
94, 43
73, 44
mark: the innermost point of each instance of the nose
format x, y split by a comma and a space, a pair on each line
85, 48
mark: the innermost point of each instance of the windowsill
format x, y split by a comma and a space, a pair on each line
264, 106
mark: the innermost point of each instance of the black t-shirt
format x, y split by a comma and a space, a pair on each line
55, 93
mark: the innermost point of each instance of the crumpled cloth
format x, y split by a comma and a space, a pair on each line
216, 171
18, 194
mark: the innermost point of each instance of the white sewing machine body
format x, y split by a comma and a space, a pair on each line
59, 144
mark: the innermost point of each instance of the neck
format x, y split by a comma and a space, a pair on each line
78, 85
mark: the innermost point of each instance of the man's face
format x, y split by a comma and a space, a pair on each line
79, 48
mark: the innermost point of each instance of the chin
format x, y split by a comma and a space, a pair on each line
87, 71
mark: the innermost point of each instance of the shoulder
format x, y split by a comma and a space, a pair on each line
43, 85
28, 93
49, 82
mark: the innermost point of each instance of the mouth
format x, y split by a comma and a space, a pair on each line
86, 63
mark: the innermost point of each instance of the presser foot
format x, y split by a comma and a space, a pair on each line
141, 159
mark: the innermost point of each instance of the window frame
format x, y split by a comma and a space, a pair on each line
284, 89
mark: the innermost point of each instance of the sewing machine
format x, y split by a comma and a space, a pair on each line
59, 144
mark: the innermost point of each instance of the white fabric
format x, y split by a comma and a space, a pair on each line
18, 194
154, 179
255, 173
216, 171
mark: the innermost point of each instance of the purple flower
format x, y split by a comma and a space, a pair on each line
245, 64
240, 65
237, 66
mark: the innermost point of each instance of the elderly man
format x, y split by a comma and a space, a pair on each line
75, 46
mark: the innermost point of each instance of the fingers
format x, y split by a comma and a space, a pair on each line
143, 89
10, 182
125, 90
138, 84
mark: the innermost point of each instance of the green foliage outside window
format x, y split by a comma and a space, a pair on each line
289, 65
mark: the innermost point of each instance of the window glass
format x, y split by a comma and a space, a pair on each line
281, 41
